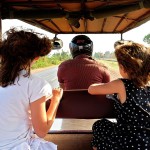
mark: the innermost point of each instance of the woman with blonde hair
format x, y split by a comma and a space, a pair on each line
131, 97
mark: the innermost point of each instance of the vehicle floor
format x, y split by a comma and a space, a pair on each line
72, 134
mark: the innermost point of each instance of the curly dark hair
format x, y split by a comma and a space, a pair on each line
135, 58
17, 52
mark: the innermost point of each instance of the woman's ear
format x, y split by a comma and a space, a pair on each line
121, 67
36, 58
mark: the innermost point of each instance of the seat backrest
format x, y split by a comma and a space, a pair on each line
79, 104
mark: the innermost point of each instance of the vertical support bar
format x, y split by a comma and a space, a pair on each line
121, 36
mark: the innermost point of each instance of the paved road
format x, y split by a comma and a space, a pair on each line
49, 74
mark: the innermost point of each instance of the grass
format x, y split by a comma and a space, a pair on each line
110, 64
44, 62
47, 62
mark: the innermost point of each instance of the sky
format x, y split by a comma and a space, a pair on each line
102, 42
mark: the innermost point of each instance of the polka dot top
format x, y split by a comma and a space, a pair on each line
132, 129
136, 109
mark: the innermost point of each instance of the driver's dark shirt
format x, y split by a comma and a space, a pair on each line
81, 72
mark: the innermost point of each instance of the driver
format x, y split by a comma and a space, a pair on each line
81, 71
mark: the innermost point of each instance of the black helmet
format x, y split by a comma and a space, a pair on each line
81, 44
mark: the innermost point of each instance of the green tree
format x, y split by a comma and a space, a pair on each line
147, 39
54, 59
65, 55
98, 55
112, 55
107, 54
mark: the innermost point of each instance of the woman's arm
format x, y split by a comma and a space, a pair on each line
42, 120
51, 112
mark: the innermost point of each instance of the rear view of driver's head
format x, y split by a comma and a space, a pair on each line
81, 44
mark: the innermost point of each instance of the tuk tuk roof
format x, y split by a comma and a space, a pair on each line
79, 16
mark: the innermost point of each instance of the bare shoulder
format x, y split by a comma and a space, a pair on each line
119, 85
116, 86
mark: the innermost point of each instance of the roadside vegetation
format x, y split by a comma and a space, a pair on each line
55, 59
147, 38
107, 59
110, 63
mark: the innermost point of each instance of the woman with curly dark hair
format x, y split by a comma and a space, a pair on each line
23, 95
131, 97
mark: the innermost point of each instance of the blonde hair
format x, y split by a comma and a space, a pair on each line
135, 58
